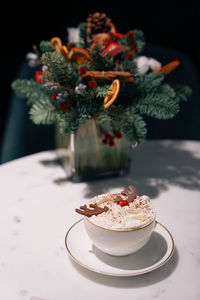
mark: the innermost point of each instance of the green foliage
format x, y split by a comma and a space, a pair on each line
70, 122
140, 39
129, 66
28, 89
45, 46
183, 92
85, 42
57, 66
159, 103
43, 111
149, 81
134, 127
98, 92
100, 62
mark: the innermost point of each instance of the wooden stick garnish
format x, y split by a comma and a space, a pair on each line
109, 75
96, 210
166, 69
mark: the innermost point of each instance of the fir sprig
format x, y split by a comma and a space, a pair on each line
134, 127
140, 39
45, 46
84, 42
183, 92
149, 81
43, 111
159, 103
29, 89
57, 66
100, 62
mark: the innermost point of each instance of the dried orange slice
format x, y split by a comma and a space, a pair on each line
166, 69
64, 52
78, 55
112, 94
56, 42
113, 29
58, 46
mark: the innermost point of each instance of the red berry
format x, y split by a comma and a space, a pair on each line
108, 137
92, 84
104, 141
122, 203
133, 45
129, 55
118, 134
130, 35
82, 70
54, 96
63, 107
111, 143
39, 76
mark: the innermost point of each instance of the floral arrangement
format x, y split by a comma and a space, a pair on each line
99, 73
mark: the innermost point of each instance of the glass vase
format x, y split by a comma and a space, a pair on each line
89, 155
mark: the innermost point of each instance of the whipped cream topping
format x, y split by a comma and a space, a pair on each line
137, 214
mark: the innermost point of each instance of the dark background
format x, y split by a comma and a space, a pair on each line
171, 24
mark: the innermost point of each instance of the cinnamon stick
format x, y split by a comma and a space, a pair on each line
109, 75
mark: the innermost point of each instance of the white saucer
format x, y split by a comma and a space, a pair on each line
153, 255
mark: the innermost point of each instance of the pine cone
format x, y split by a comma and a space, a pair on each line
98, 23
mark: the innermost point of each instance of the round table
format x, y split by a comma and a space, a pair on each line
38, 207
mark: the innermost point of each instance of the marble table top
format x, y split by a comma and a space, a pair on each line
37, 206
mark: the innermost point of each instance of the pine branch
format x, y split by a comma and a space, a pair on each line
100, 62
183, 92
57, 66
28, 89
140, 39
159, 104
129, 66
134, 127
45, 46
93, 94
84, 42
43, 111
71, 122
101, 91
67, 124
149, 81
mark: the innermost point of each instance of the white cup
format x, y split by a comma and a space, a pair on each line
118, 243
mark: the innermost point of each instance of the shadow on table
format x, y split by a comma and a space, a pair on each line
131, 281
155, 166
150, 254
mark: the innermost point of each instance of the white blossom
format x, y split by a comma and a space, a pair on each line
44, 68
80, 89
73, 35
33, 59
142, 64
31, 55
145, 63
62, 97
154, 64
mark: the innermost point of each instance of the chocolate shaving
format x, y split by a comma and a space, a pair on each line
130, 194
96, 210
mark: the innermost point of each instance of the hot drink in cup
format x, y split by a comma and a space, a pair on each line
119, 223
